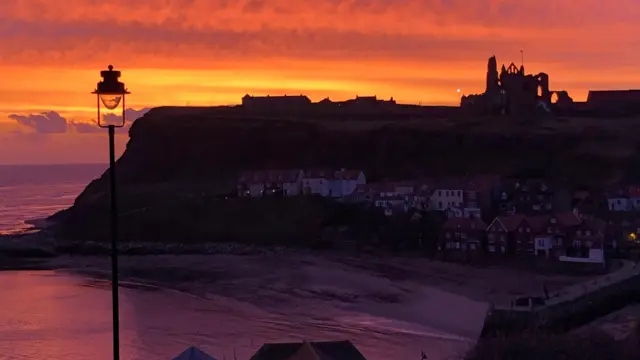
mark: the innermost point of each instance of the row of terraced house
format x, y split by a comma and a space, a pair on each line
487, 215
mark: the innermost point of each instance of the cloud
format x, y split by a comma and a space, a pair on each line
53, 123
46, 123
370, 29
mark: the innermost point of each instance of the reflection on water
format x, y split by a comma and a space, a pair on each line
36, 191
47, 315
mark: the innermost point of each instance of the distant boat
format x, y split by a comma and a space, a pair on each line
193, 353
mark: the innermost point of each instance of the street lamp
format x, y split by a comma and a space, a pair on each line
111, 93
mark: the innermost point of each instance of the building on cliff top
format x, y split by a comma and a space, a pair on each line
614, 100
298, 102
513, 92
285, 102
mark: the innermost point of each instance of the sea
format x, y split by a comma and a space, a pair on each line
59, 315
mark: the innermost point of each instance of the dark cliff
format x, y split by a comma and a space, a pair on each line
177, 154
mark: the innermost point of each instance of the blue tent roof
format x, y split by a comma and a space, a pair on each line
193, 353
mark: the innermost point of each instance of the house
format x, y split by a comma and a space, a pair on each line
447, 194
532, 197
480, 190
508, 235
587, 244
621, 230
391, 204
333, 183
546, 236
280, 103
634, 196
270, 182
587, 233
345, 181
461, 238
558, 229
325, 350
370, 192
316, 182
618, 199
462, 211
463, 196
586, 205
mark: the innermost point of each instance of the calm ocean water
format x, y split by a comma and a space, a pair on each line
58, 316
35, 191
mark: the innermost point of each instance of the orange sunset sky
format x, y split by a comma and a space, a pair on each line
206, 52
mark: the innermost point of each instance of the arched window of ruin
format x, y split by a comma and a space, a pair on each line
554, 98
540, 90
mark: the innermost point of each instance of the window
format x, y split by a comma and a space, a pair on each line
492, 248
619, 202
440, 205
503, 249
439, 193
552, 220
577, 243
457, 245
448, 235
549, 230
459, 192
472, 246
446, 193
520, 230
502, 238
528, 229
588, 232
579, 233
492, 238
558, 241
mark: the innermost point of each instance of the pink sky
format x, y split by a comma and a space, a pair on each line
207, 52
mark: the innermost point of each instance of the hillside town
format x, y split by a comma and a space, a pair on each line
484, 216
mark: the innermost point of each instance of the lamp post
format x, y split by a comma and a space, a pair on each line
111, 93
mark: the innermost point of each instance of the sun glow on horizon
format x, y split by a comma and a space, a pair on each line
214, 52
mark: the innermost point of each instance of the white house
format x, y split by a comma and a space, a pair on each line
270, 182
595, 255
623, 198
634, 197
543, 245
345, 181
334, 183
316, 182
443, 198
619, 203
391, 203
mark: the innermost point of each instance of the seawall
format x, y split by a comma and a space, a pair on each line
565, 316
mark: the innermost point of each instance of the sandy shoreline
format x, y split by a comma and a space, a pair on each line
495, 285
446, 300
